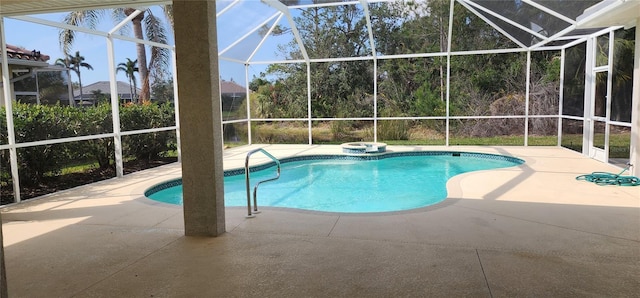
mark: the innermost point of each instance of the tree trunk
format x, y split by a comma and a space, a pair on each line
80, 84
135, 87
142, 55
72, 100
131, 89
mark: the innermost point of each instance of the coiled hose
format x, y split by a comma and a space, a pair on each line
604, 178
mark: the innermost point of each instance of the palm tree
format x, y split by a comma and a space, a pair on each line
145, 23
130, 68
66, 63
74, 63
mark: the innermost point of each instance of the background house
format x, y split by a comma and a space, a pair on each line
22, 64
232, 95
93, 93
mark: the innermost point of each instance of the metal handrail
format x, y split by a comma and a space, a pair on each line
255, 189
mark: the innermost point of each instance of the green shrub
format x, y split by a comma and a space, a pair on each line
47, 122
341, 130
36, 123
147, 146
393, 129
96, 120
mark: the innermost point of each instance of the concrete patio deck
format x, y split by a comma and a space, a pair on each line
531, 230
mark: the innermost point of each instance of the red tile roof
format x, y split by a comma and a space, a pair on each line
15, 52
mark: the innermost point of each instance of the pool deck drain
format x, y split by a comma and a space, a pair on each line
531, 230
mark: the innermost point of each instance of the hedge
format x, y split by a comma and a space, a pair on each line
46, 122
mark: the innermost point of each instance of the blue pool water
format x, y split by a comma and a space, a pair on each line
352, 186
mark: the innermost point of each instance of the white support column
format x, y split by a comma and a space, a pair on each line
115, 108
309, 102
607, 127
635, 107
449, 38
589, 88
176, 103
561, 96
6, 90
526, 100
8, 103
375, 100
374, 54
248, 99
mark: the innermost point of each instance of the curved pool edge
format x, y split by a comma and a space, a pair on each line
446, 202
455, 189
378, 156
161, 186
388, 154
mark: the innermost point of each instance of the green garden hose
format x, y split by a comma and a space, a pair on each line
604, 178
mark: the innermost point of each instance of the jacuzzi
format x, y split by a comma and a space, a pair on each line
363, 148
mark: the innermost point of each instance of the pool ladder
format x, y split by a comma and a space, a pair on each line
255, 189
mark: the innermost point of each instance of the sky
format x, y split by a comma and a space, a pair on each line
94, 48
237, 40
44, 38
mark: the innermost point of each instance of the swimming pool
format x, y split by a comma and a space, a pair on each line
350, 184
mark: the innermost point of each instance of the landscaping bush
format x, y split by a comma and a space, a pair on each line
36, 123
341, 130
48, 122
393, 129
96, 120
147, 146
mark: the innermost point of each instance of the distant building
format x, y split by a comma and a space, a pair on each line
232, 95
22, 64
89, 92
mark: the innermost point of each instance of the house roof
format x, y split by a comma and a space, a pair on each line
227, 87
123, 89
16, 52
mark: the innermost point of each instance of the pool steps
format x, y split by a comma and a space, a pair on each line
247, 172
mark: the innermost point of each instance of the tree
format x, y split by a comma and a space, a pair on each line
66, 63
74, 63
145, 23
408, 28
162, 91
130, 68
339, 87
